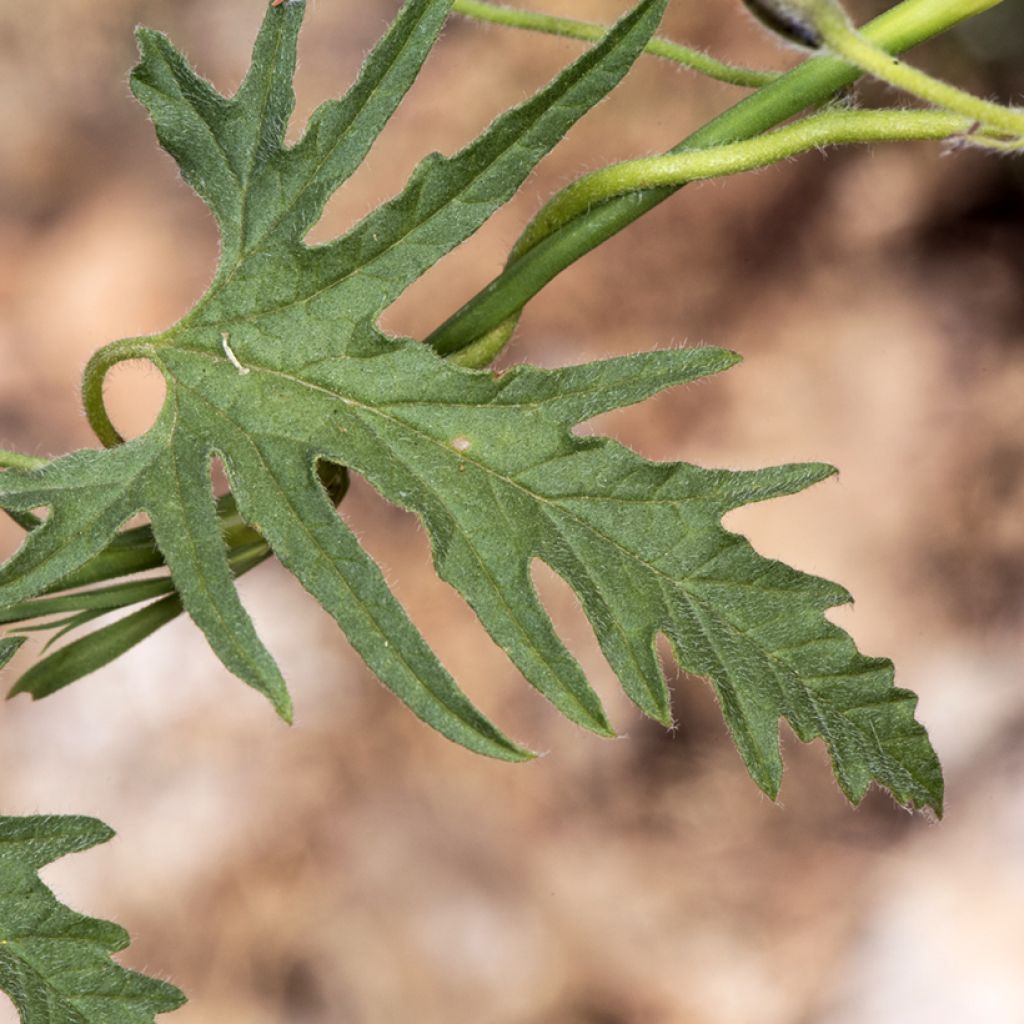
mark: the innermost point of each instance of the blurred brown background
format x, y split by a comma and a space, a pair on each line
357, 867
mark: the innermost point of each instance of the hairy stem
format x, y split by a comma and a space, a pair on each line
831, 128
686, 56
93, 378
809, 85
839, 34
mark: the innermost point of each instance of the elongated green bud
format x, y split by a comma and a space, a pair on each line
786, 19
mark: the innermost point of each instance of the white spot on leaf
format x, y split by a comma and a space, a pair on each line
232, 358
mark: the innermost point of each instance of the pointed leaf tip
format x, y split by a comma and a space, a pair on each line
9, 646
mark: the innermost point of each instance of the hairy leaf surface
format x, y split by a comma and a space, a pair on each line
54, 963
282, 365
8, 648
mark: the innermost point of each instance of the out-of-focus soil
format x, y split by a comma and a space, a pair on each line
357, 867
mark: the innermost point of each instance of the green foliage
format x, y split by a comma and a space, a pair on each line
281, 370
55, 964
9, 647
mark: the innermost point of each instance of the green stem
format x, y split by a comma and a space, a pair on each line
809, 85
838, 32
96, 373
831, 128
695, 60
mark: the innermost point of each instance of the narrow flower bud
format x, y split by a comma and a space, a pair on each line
787, 19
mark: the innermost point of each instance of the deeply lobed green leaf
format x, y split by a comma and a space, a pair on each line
282, 365
55, 964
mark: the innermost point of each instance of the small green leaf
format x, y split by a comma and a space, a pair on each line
55, 964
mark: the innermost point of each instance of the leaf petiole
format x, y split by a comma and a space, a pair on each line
95, 374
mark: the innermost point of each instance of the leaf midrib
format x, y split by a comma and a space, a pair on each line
243, 213
694, 599
462, 457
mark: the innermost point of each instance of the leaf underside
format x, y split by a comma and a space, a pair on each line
282, 365
55, 964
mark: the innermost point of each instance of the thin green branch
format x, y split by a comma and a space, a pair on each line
673, 170
809, 85
830, 128
549, 24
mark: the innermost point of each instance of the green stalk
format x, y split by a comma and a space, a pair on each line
95, 374
842, 37
588, 31
809, 85
831, 128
